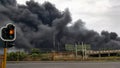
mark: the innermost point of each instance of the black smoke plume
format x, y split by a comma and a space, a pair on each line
44, 26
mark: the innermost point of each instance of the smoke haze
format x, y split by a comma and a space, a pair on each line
44, 26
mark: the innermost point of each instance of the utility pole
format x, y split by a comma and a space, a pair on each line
58, 46
82, 51
18, 53
54, 41
76, 50
53, 46
85, 51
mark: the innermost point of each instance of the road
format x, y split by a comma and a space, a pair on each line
64, 65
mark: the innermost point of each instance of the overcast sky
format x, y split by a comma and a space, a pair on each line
97, 14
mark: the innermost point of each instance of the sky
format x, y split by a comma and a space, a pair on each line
98, 15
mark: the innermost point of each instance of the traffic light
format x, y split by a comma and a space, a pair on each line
8, 33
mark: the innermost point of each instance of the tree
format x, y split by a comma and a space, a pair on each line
35, 50
35, 53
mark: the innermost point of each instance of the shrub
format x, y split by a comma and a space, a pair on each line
13, 56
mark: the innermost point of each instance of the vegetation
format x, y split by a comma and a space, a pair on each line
36, 55
14, 56
35, 51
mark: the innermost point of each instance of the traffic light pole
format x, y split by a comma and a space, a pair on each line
8, 34
5, 55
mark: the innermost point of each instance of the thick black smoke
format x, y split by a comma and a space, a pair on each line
44, 26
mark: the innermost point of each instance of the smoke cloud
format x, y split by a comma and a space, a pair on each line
44, 26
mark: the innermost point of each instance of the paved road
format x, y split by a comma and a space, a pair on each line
64, 65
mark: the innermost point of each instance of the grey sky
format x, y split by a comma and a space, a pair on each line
97, 14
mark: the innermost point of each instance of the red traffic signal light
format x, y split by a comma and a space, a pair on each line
11, 31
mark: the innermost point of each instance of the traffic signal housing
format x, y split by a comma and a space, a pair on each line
10, 44
8, 33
